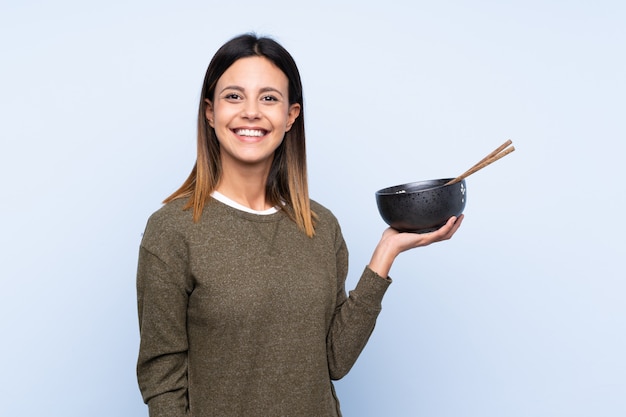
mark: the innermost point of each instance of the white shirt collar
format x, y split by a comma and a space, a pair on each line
222, 198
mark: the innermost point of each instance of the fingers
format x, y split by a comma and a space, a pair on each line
448, 230
453, 225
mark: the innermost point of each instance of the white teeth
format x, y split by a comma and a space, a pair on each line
249, 132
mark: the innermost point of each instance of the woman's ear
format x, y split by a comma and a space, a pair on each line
208, 113
292, 115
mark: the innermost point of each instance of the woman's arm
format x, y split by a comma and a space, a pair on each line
162, 296
355, 314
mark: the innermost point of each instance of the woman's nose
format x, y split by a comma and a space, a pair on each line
251, 110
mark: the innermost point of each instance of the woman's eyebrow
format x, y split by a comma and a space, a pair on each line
271, 90
232, 87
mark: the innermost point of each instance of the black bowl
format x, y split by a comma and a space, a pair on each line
421, 206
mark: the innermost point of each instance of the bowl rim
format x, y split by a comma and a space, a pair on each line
396, 189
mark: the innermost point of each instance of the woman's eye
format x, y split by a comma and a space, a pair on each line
269, 98
232, 96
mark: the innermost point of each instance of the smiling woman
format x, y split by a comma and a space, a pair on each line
242, 303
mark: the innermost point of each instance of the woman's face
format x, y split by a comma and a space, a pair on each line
250, 112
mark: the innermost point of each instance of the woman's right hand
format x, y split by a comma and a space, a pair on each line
393, 242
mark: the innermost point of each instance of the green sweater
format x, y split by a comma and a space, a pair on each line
242, 314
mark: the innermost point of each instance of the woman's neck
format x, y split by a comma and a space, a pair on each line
245, 186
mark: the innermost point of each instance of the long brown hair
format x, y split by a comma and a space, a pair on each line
287, 183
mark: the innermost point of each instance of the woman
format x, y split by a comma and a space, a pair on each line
242, 306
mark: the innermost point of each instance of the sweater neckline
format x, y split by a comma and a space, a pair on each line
254, 217
232, 203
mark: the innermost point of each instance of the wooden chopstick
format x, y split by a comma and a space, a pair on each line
489, 159
494, 153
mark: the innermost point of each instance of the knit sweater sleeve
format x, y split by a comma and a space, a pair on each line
163, 288
355, 314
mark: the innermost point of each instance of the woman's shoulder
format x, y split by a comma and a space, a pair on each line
171, 218
171, 212
322, 211
325, 219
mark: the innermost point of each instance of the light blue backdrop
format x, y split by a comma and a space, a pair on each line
521, 314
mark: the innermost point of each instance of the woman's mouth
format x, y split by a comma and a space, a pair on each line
256, 133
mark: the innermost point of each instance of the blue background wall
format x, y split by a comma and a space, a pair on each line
521, 314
